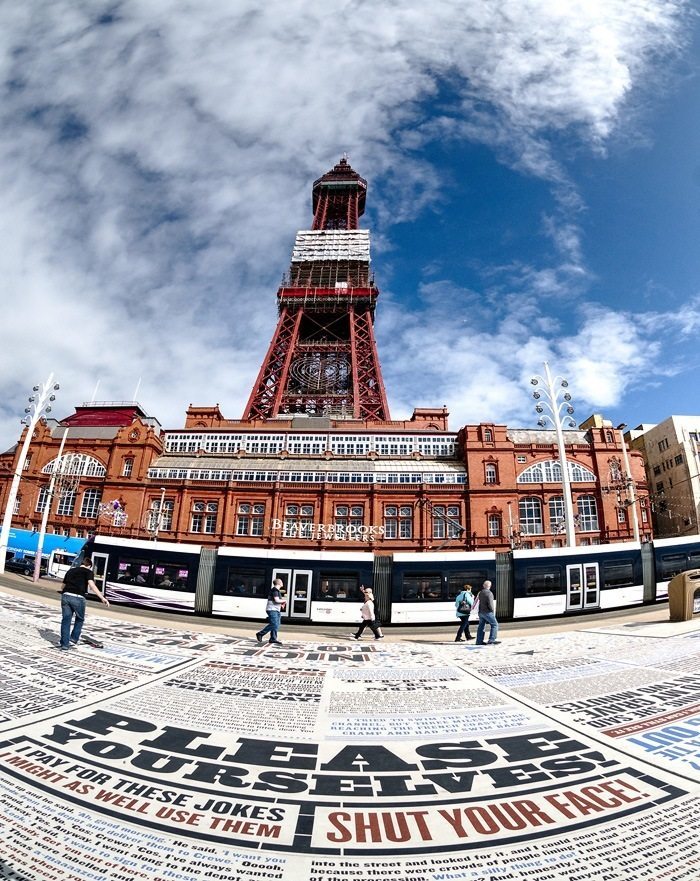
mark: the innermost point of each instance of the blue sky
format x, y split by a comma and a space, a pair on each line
534, 193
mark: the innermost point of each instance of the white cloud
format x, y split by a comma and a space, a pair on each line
156, 159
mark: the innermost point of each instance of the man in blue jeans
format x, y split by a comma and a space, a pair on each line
274, 607
487, 615
76, 584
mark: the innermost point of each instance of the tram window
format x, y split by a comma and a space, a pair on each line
169, 576
132, 570
339, 587
422, 587
245, 582
457, 580
618, 574
693, 561
543, 579
672, 564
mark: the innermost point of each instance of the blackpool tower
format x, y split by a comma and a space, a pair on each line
322, 360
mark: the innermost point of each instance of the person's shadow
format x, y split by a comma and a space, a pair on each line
50, 636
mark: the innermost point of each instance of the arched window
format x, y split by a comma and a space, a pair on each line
76, 463
490, 473
42, 499
549, 471
494, 527
530, 510
588, 514
91, 503
128, 467
488, 436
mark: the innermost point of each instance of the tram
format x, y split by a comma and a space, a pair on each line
409, 588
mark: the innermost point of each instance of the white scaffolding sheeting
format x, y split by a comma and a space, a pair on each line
331, 244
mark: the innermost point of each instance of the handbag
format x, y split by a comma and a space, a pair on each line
464, 607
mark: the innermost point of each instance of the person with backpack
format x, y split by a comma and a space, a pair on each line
463, 608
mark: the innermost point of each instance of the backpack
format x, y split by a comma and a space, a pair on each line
465, 606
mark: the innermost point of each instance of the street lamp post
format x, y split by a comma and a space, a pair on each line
629, 483
159, 520
57, 468
547, 396
39, 403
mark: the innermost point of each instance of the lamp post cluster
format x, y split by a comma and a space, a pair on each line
622, 483
39, 404
553, 404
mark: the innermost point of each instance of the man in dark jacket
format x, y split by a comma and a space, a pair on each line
487, 615
76, 584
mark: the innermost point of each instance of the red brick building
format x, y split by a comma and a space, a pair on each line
316, 461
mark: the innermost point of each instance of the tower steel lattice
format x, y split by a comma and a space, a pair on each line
322, 360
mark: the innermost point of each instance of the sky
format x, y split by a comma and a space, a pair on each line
533, 173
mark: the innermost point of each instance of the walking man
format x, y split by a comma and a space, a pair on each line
275, 606
487, 615
76, 584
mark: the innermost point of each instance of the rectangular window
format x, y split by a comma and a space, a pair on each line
298, 521
245, 581
171, 576
494, 525
618, 574
398, 521
421, 587
128, 467
347, 520
670, 565
343, 587
160, 520
457, 580
541, 580
678, 460
446, 521
134, 570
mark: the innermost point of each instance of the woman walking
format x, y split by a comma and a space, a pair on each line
367, 615
463, 609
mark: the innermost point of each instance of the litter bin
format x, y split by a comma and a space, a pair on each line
681, 594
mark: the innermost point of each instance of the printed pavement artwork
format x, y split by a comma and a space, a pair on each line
178, 756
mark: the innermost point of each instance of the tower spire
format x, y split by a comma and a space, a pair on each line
322, 360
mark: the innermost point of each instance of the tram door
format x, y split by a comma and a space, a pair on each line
582, 587
297, 591
99, 570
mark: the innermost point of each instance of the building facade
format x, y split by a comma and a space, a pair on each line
316, 462
671, 452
